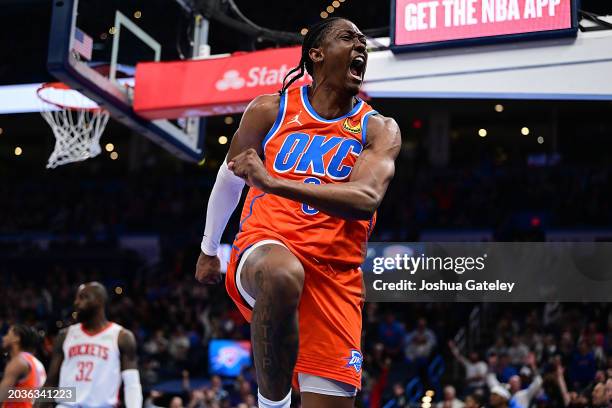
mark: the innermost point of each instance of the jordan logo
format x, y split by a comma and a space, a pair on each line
296, 119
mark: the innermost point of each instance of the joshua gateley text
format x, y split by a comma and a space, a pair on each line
442, 286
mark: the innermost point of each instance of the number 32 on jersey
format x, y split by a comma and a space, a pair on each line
84, 370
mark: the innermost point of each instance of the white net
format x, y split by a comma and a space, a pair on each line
76, 122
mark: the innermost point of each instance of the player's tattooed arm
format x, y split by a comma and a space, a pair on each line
257, 120
127, 349
356, 199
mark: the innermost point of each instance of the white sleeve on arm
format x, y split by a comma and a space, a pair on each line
223, 200
132, 391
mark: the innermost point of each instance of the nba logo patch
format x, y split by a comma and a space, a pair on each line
355, 360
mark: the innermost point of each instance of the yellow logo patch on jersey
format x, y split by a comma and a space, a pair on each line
346, 125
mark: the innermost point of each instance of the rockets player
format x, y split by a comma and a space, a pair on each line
318, 161
95, 355
23, 371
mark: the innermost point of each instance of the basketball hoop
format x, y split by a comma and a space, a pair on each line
77, 125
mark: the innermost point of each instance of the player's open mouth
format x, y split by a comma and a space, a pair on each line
357, 67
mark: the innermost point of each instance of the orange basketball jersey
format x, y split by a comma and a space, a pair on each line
34, 380
306, 148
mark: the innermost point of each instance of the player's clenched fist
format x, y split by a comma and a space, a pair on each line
248, 165
208, 269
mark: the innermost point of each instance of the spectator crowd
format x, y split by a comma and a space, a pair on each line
527, 355
535, 355
483, 196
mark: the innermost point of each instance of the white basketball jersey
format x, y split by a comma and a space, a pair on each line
92, 365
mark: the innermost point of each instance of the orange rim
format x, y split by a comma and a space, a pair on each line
63, 86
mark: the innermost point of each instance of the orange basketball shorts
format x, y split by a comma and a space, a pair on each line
329, 314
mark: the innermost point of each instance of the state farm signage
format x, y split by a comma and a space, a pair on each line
211, 87
419, 24
255, 77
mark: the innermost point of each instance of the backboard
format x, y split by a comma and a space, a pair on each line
94, 46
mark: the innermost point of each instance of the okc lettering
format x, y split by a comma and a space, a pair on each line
94, 350
303, 154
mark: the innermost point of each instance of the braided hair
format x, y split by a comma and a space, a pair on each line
312, 39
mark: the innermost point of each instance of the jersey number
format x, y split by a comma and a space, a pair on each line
305, 207
85, 368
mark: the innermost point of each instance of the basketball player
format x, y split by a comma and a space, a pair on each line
23, 371
94, 355
318, 161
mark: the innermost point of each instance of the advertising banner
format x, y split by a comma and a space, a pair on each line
418, 24
216, 86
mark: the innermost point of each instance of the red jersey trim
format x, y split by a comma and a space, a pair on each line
95, 333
